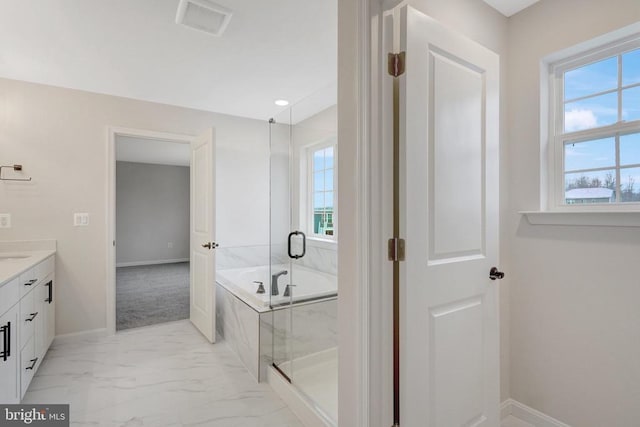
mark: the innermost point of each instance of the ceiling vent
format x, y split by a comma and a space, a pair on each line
203, 15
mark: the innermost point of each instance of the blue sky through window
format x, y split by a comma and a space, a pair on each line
593, 78
601, 110
631, 68
599, 153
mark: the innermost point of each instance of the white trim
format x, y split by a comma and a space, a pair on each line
110, 217
299, 404
76, 336
157, 262
619, 218
529, 415
363, 209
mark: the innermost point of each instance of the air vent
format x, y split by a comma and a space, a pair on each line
203, 15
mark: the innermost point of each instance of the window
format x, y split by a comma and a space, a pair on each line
596, 128
322, 195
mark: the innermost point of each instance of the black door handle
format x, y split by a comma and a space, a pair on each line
495, 274
304, 244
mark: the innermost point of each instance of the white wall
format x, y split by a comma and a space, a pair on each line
575, 321
152, 213
60, 136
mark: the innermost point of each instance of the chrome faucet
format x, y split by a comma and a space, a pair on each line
274, 281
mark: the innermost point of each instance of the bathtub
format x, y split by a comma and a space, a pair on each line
308, 285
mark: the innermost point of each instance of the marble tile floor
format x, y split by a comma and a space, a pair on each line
162, 375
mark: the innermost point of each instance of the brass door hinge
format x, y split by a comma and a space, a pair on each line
396, 249
395, 64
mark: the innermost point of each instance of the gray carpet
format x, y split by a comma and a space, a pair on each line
151, 294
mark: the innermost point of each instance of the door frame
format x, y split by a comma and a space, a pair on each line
365, 343
112, 133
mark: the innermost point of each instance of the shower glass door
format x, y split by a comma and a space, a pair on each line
281, 271
304, 150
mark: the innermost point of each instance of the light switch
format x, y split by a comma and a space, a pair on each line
80, 219
5, 220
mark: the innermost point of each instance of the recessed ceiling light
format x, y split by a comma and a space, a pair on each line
281, 102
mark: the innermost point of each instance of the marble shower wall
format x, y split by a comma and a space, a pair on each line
242, 256
321, 259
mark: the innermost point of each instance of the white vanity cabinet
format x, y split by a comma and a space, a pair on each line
9, 351
27, 327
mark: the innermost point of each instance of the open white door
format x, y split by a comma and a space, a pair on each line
449, 119
203, 264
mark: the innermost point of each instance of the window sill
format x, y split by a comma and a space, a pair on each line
588, 218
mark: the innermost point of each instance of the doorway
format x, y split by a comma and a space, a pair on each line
161, 229
152, 231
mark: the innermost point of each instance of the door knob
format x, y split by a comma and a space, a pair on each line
495, 274
210, 245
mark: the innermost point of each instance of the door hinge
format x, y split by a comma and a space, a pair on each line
396, 249
395, 64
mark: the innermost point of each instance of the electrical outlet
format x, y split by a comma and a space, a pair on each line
80, 219
170, 245
5, 220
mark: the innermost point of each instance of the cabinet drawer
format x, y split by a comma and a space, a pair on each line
27, 366
28, 281
45, 268
28, 315
9, 295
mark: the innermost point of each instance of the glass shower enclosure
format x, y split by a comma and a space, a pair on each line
303, 249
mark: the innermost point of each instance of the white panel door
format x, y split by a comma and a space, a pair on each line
203, 275
449, 186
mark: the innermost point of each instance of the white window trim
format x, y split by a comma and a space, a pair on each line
306, 196
552, 209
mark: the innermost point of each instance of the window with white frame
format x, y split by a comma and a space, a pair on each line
596, 126
321, 194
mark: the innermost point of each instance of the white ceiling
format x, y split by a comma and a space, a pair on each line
141, 150
275, 49
510, 7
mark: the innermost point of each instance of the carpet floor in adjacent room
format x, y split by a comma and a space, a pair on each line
151, 294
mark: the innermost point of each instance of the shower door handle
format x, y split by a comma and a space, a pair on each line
304, 244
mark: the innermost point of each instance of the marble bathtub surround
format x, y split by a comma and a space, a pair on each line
163, 375
280, 334
238, 325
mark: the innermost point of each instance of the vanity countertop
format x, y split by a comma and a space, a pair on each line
18, 257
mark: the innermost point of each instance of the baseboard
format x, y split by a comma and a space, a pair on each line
139, 263
529, 415
75, 336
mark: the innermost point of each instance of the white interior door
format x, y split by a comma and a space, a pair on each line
449, 185
203, 273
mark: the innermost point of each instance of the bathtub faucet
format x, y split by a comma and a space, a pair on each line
274, 281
